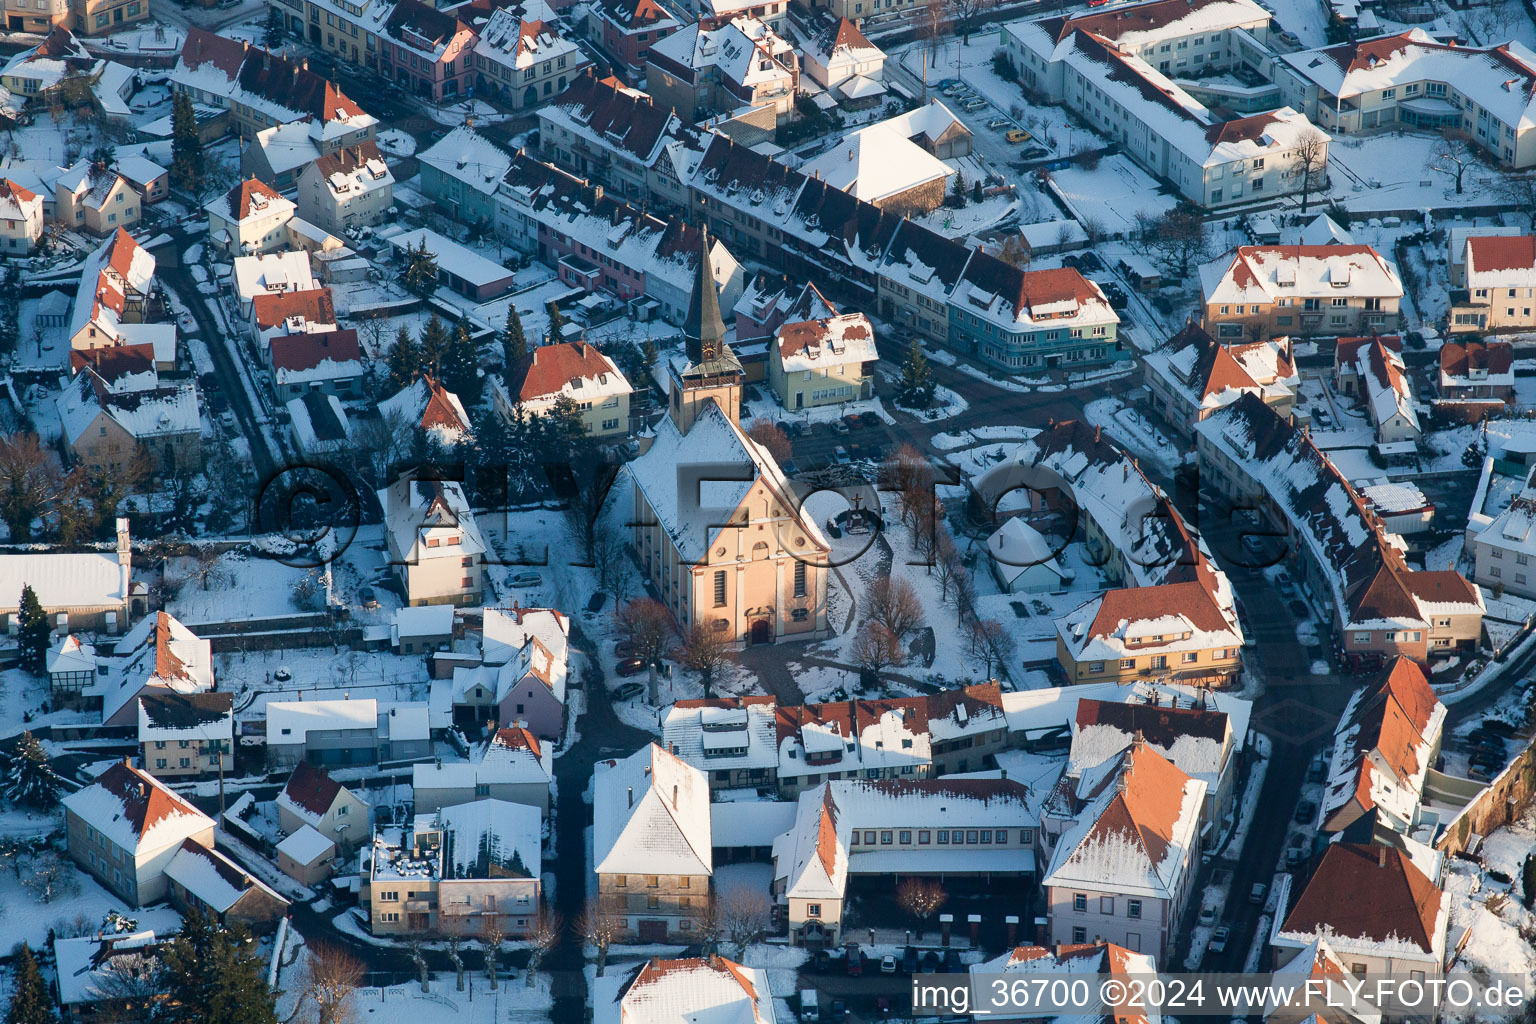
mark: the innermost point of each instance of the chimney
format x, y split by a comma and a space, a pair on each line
1381, 856
674, 796
1004, 774
631, 796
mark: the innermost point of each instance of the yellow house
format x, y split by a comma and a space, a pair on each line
95, 197
823, 362
1176, 632
574, 370
718, 529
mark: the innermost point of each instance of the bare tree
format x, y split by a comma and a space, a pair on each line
647, 625
921, 898
332, 979
745, 916
968, 13
992, 642
125, 988
933, 24
1177, 240
875, 648
543, 937
893, 603
704, 650
601, 929
1453, 153
1518, 191
1310, 164
49, 877
492, 934
584, 510
767, 433
29, 480
1014, 252
947, 563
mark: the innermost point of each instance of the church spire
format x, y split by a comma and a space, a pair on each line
704, 330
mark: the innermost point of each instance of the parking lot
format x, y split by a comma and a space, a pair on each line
817, 448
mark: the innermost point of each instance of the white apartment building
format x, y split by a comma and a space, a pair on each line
435, 545
346, 189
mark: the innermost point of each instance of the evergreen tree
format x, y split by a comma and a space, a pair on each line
30, 782
404, 363
434, 345
188, 168
420, 271
957, 193
276, 32
514, 344
213, 975
10, 311
461, 366
30, 1001
564, 432
33, 632
520, 451
917, 383
556, 330
976, 196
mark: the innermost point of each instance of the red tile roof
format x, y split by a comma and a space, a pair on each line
314, 305
296, 352
1458, 359
1147, 806
312, 789
1501, 252
655, 970
114, 361
1130, 604
1371, 893
439, 411
10, 190
515, 737
548, 368
1155, 723
145, 802
238, 199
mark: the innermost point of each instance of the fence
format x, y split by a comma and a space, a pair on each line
1502, 801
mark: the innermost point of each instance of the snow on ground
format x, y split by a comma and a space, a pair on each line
1389, 172
1129, 427
975, 435
396, 142
78, 913
1307, 19
1112, 194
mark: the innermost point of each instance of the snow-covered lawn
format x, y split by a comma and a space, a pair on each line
1112, 194
74, 913
1388, 172
396, 142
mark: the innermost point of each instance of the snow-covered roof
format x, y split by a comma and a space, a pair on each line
135, 811
461, 261
290, 721
840, 44
1369, 900
1489, 364
1499, 79
306, 846
1136, 833
70, 655
490, 832
651, 816
426, 404
519, 642
745, 51
63, 580
1174, 618
750, 823
273, 272
353, 171
166, 410
213, 878
1207, 374
1324, 230
90, 966
881, 160
723, 734
710, 990
1016, 547
318, 422
821, 345
1263, 274
575, 369
1387, 393
1075, 960
513, 756
204, 717
1141, 27
1036, 711
469, 157
682, 479
521, 38
310, 792
160, 653
1501, 261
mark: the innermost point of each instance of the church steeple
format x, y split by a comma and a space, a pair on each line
713, 373
704, 330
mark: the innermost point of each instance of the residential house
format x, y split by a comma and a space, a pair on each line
1122, 844
1385, 744
285, 314
94, 970
1193, 374
1503, 550
715, 13
151, 181
96, 198
1476, 375
1456, 237
114, 298
918, 272
427, 51
346, 189
342, 731
897, 164
107, 429
21, 217
435, 547
1416, 80
574, 371
159, 656
1500, 274
186, 734
40, 20
823, 362
1379, 911
733, 741
523, 57
1379, 606
1381, 382
1128, 73
422, 629
262, 89
306, 856
460, 174
250, 218
330, 362
513, 765
1031, 319
1023, 561
319, 424
1177, 632
843, 61
767, 303
651, 845
88, 590
126, 827
522, 674
1259, 292
697, 70
271, 274
204, 879
59, 58
311, 798
906, 827
757, 585
455, 871
644, 152
665, 990
626, 29
100, 17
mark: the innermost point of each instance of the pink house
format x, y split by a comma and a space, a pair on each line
427, 50
627, 28
522, 674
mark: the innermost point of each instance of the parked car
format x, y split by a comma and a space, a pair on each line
630, 667
909, 960
837, 1012
1219, 937
1499, 726
1299, 609
821, 962
1207, 914
1305, 811
1017, 136
930, 964
1035, 153
789, 468
855, 958
952, 964
368, 598
1323, 418
527, 579
1488, 759
888, 964
1480, 773
629, 691
799, 428
854, 421
839, 427
1258, 892
999, 122
1091, 262
841, 456
973, 105
870, 419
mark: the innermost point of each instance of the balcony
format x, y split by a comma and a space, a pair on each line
422, 904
